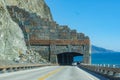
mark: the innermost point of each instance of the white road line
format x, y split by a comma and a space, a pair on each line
88, 74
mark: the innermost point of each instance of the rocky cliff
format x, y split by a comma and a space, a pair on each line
34, 6
11, 37
35, 20
12, 43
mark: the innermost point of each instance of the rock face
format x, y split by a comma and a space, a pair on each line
34, 6
35, 20
37, 28
11, 37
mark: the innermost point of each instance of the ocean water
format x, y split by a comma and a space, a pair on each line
102, 58
105, 58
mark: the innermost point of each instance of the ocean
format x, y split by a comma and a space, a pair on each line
105, 58
102, 58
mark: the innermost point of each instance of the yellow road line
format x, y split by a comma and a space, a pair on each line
50, 73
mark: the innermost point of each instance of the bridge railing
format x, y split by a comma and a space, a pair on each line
110, 71
12, 68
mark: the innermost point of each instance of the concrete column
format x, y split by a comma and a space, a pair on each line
52, 51
101, 70
69, 48
56, 59
11, 69
98, 70
87, 54
110, 73
16, 68
105, 72
49, 53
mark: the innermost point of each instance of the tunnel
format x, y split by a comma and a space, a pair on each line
66, 58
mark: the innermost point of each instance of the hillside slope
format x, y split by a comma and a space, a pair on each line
11, 42
33, 6
96, 49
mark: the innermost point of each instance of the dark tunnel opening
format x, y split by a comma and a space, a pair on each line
67, 58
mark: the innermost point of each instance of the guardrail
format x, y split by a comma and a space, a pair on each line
12, 68
110, 72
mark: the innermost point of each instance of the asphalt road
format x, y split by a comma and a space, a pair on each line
51, 73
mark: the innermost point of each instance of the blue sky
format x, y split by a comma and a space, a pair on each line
98, 19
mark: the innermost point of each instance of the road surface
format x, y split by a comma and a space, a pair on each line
50, 73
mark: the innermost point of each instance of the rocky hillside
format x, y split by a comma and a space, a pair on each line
11, 37
33, 19
12, 45
96, 49
33, 6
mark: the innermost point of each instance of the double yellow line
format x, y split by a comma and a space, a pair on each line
50, 73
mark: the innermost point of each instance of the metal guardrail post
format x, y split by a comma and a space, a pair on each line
105, 72
117, 75
110, 73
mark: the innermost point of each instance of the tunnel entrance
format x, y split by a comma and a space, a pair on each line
67, 58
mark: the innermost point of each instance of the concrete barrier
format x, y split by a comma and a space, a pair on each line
110, 72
